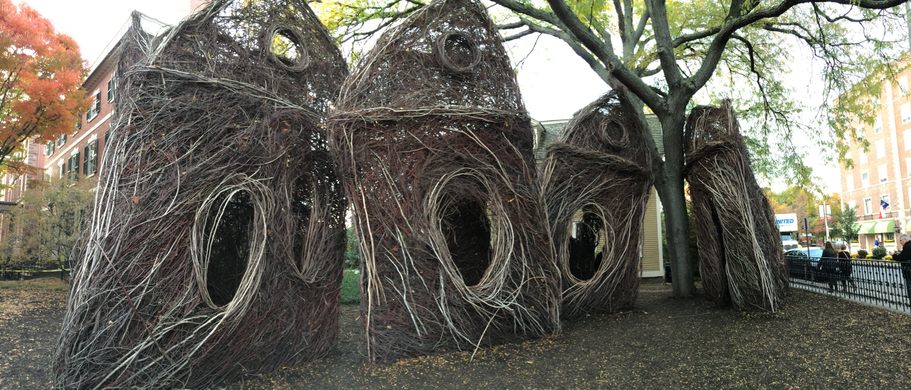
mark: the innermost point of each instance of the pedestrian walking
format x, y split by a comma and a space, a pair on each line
904, 260
844, 268
828, 267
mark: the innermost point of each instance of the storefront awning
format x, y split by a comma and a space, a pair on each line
885, 226
866, 227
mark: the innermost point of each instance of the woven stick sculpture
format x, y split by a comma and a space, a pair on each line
596, 183
436, 150
216, 242
741, 259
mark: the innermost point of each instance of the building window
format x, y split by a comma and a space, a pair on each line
849, 182
73, 166
49, 148
79, 125
878, 125
885, 198
864, 179
906, 112
90, 158
868, 206
862, 156
95, 108
62, 170
880, 149
883, 176
111, 88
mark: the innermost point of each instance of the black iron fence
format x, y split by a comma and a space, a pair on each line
32, 271
881, 283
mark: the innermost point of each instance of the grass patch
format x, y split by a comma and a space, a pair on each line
351, 292
48, 283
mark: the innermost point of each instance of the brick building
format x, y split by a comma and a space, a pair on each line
882, 173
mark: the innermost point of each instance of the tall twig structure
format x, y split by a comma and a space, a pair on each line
436, 150
596, 182
217, 236
741, 259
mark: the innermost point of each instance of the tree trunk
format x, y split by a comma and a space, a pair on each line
669, 184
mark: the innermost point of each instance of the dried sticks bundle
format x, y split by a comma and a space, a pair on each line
215, 247
596, 182
741, 260
436, 150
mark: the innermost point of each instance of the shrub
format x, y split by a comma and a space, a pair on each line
879, 252
352, 257
861, 254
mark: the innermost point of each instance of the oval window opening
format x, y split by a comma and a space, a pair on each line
230, 249
458, 52
286, 48
586, 246
467, 231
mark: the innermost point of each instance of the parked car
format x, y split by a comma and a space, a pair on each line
803, 263
789, 244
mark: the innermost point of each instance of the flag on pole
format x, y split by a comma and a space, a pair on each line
883, 205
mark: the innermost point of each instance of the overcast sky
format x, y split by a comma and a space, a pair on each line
554, 81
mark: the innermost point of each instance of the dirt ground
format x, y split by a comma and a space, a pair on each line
816, 341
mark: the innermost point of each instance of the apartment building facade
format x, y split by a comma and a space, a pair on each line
878, 186
78, 155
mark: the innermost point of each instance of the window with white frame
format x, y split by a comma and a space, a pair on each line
862, 156
868, 206
111, 88
906, 112
849, 182
882, 173
95, 108
878, 125
864, 179
884, 198
880, 148
90, 158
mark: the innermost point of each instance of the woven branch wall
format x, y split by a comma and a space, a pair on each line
596, 182
741, 258
436, 150
216, 243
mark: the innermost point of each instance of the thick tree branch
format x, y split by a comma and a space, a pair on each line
600, 49
665, 48
716, 48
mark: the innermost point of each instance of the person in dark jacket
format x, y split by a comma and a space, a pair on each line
844, 267
828, 267
904, 260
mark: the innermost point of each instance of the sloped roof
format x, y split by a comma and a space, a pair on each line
548, 132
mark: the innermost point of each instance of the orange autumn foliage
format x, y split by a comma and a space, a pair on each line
41, 73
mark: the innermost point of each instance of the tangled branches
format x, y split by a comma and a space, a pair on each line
436, 151
741, 260
215, 246
596, 184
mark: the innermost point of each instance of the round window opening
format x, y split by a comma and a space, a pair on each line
614, 133
286, 49
586, 246
466, 227
458, 52
230, 249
